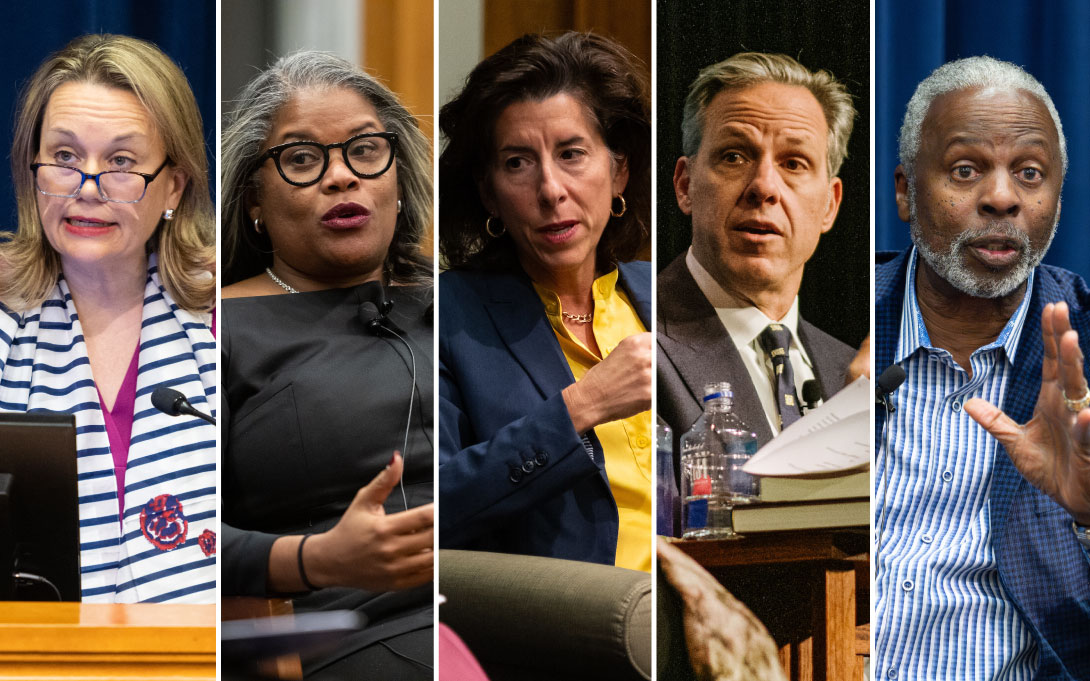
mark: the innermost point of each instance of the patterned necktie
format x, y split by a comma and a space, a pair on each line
776, 342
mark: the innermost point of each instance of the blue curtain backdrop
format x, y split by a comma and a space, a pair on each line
1051, 40
31, 31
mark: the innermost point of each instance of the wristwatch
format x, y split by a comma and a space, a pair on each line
1082, 533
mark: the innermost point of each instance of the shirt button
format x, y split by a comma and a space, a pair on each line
892, 673
643, 442
926, 539
956, 406
907, 585
947, 476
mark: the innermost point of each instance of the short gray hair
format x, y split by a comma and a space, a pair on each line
246, 131
963, 74
753, 68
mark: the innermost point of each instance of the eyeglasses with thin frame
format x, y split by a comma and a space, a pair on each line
118, 186
304, 163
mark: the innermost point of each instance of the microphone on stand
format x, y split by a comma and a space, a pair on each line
173, 403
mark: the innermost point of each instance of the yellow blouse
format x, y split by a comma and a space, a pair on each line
626, 443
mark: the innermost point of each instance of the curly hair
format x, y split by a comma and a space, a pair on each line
186, 244
246, 131
605, 77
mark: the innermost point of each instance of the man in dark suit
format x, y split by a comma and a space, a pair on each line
983, 524
763, 139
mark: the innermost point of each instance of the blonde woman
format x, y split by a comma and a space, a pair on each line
105, 293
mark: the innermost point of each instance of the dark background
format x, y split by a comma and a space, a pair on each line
1051, 40
835, 292
31, 31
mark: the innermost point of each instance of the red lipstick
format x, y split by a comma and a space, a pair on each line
346, 216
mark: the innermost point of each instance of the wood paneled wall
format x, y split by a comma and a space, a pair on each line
626, 21
399, 48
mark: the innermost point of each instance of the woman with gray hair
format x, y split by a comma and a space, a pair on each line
327, 366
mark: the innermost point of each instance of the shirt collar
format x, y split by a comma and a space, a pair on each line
742, 321
602, 289
914, 332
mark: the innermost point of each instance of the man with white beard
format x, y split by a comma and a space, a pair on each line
981, 524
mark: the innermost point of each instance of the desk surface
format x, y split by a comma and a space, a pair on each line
767, 548
93, 640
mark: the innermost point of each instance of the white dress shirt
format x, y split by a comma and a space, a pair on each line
744, 324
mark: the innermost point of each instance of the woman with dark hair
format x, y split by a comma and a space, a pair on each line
326, 359
545, 362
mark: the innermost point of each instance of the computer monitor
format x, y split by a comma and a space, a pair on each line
39, 507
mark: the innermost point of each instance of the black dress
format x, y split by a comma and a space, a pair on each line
314, 404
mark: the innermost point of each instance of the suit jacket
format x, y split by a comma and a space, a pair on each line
694, 349
514, 476
1041, 565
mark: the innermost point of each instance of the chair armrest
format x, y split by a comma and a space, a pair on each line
579, 620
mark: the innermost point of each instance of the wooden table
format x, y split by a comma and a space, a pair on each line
810, 588
107, 641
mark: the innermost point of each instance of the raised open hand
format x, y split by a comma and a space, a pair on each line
372, 550
1052, 451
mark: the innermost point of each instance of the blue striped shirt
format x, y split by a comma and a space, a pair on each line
941, 611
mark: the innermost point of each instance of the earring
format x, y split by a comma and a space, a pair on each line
488, 228
168, 214
399, 206
257, 225
624, 206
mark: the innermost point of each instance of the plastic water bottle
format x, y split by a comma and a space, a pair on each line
713, 452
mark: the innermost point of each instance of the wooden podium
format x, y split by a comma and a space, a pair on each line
107, 641
809, 587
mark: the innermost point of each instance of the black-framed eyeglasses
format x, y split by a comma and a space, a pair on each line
118, 186
304, 163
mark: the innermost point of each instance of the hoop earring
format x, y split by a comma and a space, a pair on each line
257, 225
399, 206
624, 206
488, 228
168, 214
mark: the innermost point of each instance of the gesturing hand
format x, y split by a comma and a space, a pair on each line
1052, 451
617, 387
371, 550
860, 365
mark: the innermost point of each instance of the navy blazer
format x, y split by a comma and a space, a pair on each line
514, 476
1041, 565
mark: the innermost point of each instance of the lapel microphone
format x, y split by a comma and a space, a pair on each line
173, 403
374, 320
371, 318
887, 382
811, 394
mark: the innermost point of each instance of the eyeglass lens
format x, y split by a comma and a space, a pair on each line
116, 185
305, 162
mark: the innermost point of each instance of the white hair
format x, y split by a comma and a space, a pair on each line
971, 72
